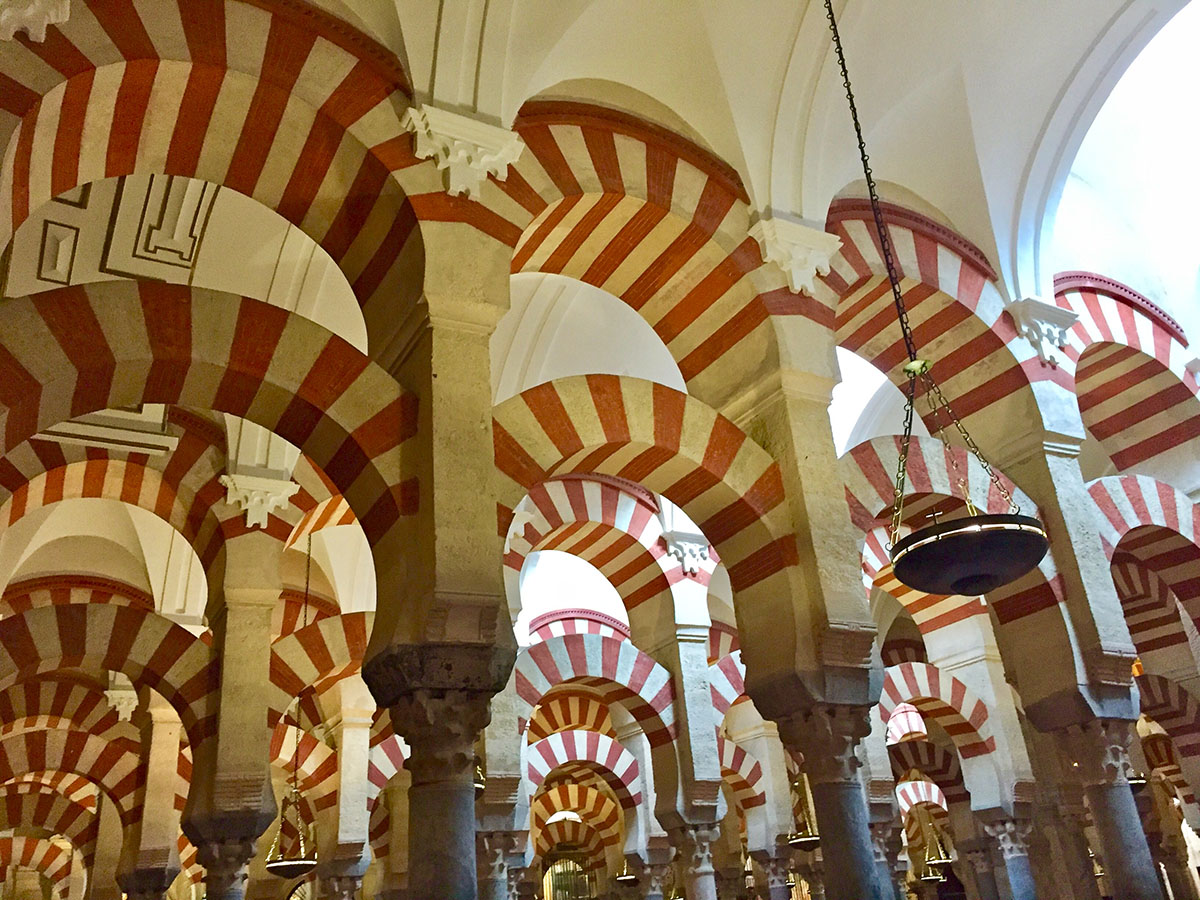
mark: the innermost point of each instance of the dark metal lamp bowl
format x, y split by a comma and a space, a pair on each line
970, 555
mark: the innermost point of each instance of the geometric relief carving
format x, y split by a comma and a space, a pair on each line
57, 256
157, 227
32, 17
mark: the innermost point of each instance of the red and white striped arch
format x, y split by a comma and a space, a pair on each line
742, 772
1175, 709
941, 479
727, 682
625, 674
723, 640
294, 109
669, 442
384, 760
580, 836
58, 590
569, 709
50, 859
79, 349
1151, 609
36, 806
113, 766
316, 765
597, 753
76, 788
1155, 523
329, 513
956, 312
593, 806
316, 657
1160, 754
934, 763
1135, 392
49, 702
148, 648
612, 524
645, 215
943, 699
924, 794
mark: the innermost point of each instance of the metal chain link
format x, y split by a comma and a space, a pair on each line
915, 368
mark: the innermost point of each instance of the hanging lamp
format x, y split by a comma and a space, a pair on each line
626, 877
975, 553
805, 838
300, 859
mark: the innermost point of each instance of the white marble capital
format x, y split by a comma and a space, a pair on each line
465, 149
800, 251
1045, 325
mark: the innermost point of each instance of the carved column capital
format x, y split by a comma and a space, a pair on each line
827, 735
32, 17
1011, 834
694, 844
881, 841
441, 727
776, 870
225, 863
1044, 325
800, 251
465, 149
654, 876
148, 883
492, 849
340, 887
1099, 750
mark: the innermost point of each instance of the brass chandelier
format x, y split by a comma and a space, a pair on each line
971, 554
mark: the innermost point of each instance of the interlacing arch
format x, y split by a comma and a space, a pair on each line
1174, 708
611, 524
649, 217
49, 702
74, 787
1135, 392
315, 762
626, 674
1151, 609
941, 479
148, 648
79, 349
597, 753
58, 590
917, 792
727, 682
50, 859
742, 772
111, 766
580, 836
303, 117
674, 445
936, 763
590, 804
943, 699
315, 657
569, 708
956, 311
1156, 524
384, 760
40, 808
1160, 754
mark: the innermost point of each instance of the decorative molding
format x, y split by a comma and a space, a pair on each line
124, 700
257, 496
689, 548
801, 251
1012, 835
31, 17
465, 149
139, 431
1045, 325
1123, 293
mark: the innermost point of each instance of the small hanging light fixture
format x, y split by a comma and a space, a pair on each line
805, 838
626, 876
300, 859
975, 553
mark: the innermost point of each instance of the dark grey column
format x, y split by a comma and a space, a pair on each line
1012, 835
827, 735
885, 858
1101, 750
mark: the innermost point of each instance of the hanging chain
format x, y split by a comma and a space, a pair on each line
915, 367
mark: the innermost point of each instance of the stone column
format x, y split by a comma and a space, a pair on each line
882, 840
492, 849
731, 883
979, 856
1013, 837
231, 801
151, 860
827, 735
441, 727
1072, 835
27, 884
343, 851
102, 885
813, 872
1171, 852
1100, 749
694, 846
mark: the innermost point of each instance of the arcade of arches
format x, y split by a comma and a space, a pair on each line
427, 404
